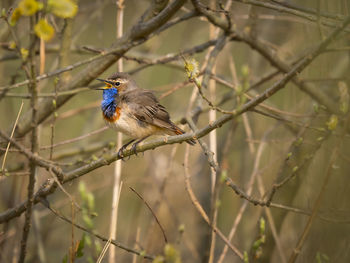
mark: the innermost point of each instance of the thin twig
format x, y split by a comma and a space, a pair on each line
12, 132
104, 250
154, 215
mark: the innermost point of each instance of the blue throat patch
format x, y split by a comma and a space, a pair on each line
108, 104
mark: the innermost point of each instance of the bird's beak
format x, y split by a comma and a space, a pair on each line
107, 82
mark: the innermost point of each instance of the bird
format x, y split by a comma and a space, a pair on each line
134, 112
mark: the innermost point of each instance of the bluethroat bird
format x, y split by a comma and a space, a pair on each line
134, 111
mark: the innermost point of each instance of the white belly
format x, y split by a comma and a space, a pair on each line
131, 127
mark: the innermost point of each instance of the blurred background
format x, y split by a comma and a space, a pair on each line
301, 134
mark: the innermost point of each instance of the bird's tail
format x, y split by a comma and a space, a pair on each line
179, 131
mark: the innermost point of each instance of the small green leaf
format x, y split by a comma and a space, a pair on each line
12, 45
245, 70
344, 97
24, 53
223, 176
159, 259
262, 226
44, 30
171, 254
98, 247
245, 257
111, 144
88, 222
256, 244
143, 253
299, 141
3, 12
90, 200
94, 214
82, 190
87, 241
332, 122
181, 228
62, 8
79, 253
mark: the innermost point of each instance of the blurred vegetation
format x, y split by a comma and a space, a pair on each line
282, 167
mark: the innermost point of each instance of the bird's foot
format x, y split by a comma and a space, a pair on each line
133, 148
120, 153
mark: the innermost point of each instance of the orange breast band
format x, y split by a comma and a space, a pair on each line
115, 116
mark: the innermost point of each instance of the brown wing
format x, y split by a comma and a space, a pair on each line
144, 106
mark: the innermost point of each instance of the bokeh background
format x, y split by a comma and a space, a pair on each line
297, 135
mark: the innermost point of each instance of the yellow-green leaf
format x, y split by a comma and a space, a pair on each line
332, 122
24, 53
12, 44
62, 8
344, 97
171, 254
15, 16
44, 30
29, 7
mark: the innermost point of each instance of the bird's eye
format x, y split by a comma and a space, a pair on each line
117, 83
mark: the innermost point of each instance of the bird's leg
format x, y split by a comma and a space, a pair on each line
133, 147
120, 152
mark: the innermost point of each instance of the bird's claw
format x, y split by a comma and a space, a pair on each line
133, 148
120, 153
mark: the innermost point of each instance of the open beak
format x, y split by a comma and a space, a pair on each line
107, 82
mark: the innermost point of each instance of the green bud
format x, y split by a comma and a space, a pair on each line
262, 226
143, 253
245, 257
332, 122
223, 176
245, 70
299, 141
181, 228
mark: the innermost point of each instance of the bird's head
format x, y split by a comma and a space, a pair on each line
116, 84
